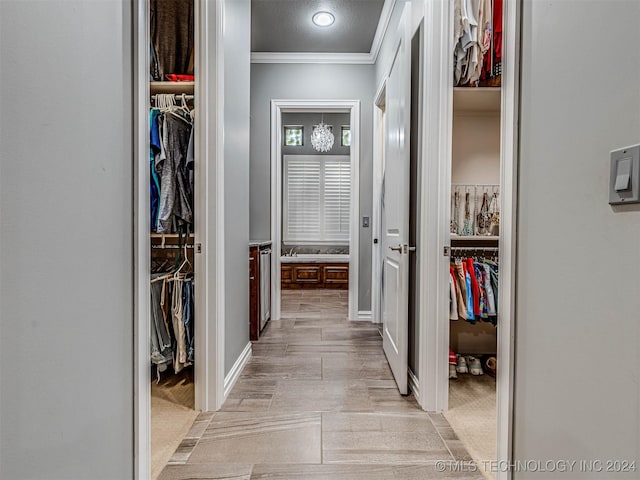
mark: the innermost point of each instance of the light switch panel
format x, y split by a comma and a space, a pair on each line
624, 185
623, 174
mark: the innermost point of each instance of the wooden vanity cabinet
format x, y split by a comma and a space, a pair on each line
295, 276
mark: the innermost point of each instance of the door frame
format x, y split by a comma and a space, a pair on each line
278, 107
436, 190
379, 128
208, 222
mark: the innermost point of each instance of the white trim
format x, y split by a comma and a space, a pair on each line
435, 190
414, 384
334, 58
365, 315
313, 57
235, 372
276, 208
141, 249
376, 227
277, 108
215, 138
381, 30
509, 141
209, 221
354, 234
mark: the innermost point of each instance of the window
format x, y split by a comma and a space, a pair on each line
293, 135
316, 198
345, 136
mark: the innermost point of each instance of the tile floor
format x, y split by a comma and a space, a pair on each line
318, 401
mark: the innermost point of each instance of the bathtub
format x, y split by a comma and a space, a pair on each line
316, 258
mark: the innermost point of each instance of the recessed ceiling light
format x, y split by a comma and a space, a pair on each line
323, 19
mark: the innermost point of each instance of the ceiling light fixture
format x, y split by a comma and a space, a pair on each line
322, 137
323, 19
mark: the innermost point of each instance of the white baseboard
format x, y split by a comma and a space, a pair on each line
233, 375
365, 315
414, 384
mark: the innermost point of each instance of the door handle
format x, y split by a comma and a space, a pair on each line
403, 248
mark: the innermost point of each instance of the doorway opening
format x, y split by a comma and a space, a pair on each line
173, 154
477, 239
170, 288
315, 199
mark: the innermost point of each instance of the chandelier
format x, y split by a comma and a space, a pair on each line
322, 137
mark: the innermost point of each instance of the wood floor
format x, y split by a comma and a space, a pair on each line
317, 401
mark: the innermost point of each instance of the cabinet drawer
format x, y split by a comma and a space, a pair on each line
307, 274
336, 274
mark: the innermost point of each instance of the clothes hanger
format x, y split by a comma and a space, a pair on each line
186, 261
184, 106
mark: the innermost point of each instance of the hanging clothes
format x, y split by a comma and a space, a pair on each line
477, 39
154, 149
172, 321
188, 299
172, 165
461, 289
453, 296
176, 194
161, 352
473, 290
172, 38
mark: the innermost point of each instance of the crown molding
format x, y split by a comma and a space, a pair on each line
334, 58
381, 30
312, 57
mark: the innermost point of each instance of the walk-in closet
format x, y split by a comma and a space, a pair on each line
475, 225
172, 159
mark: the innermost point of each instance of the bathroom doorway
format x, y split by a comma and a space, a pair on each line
315, 199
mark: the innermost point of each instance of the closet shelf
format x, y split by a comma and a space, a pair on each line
470, 241
172, 87
476, 99
168, 235
474, 237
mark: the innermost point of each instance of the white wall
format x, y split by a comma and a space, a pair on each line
311, 82
66, 363
237, 38
387, 49
476, 149
578, 303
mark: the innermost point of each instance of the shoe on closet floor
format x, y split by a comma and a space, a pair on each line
461, 366
474, 365
490, 365
452, 371
452, 357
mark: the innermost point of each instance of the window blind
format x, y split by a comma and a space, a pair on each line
316, 200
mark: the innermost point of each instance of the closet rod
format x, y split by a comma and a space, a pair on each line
163, 247
475, 185
177, 96
475, 249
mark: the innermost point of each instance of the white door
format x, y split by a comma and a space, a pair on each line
395, 235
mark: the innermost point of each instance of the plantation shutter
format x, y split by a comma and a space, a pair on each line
337, 195
316, 198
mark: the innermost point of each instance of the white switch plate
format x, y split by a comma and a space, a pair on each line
620, 160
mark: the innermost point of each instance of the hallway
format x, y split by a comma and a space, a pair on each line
317, 400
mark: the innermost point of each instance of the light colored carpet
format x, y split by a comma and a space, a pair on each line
172, 413
472, 414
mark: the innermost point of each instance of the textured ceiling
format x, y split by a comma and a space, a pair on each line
286, 26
